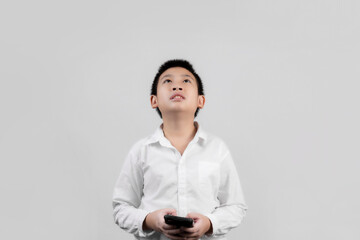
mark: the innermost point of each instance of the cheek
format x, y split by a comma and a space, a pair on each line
163, 95
193, 101
162, 98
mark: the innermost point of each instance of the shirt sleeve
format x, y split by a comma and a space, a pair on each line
127, 198
232, 208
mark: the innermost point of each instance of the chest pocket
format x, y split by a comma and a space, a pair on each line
209, 176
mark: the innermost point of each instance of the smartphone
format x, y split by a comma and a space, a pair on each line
179, 221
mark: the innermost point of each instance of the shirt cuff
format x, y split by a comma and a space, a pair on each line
141, 217
214, 223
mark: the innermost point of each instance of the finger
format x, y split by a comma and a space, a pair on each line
168, 227
173, 236
189, 235
189, 230
173, 231
189, 238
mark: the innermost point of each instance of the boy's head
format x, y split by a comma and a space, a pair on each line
177, 76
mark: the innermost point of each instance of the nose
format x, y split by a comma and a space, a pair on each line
174, 88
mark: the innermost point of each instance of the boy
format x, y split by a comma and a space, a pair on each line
180, 169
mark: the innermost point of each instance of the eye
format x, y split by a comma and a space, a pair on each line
167, 80
187, 80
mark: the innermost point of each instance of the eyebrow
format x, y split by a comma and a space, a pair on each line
184, 75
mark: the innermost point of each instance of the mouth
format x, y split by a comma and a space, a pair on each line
177, 97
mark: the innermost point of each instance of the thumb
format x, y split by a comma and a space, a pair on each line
192, 215
170, 211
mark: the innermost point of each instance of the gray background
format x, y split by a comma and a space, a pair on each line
281, 84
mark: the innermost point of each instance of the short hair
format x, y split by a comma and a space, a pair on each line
176, 63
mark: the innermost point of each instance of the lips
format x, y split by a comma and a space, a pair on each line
177, 96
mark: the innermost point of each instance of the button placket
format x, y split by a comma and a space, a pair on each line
182, 201
181, 184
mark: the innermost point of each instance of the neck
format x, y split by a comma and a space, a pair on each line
179, 127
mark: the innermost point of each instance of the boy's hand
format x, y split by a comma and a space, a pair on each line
155, 220
202, 225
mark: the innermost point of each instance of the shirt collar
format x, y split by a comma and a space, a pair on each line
158, 135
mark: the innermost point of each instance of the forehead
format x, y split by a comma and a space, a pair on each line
177, 71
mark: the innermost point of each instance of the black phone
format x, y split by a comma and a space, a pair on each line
179, 221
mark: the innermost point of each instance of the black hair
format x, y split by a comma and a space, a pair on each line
176, 63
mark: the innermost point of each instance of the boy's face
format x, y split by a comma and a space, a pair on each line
177, 80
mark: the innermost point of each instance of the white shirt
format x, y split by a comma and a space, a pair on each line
155, 176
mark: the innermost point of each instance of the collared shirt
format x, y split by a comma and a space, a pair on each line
203, 179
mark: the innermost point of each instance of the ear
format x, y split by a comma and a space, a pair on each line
153, 101
201, 101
